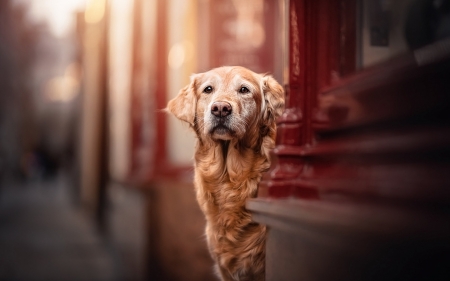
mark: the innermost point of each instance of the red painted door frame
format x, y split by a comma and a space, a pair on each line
322, 50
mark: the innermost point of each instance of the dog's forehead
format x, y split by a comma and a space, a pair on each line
230, 77
211, 78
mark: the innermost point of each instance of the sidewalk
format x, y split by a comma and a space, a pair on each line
44, 237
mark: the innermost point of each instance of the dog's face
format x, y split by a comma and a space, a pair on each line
228, 102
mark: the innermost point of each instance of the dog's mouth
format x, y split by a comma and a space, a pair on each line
221, 131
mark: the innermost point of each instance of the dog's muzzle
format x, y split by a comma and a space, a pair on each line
220, 113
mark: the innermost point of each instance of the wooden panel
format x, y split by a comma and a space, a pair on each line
377, 98
159, 166
359, 188
143, 95
176, 244
390, 135
291, 125
94, 146
316, 240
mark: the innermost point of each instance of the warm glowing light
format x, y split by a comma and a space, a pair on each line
248, 27
59, 14
64, 88
95, 11
180, 53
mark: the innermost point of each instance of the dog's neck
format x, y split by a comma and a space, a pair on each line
224, 144
228, 172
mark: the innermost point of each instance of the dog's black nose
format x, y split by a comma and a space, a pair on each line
221, 109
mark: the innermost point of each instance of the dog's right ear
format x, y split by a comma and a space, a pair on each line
183, 106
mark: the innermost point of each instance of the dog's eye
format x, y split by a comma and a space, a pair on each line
208, 90
244, 90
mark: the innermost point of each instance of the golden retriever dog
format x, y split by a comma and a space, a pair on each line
233, 112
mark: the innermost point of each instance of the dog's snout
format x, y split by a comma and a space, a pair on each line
221, 109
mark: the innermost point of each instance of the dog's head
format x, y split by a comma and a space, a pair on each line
229, 103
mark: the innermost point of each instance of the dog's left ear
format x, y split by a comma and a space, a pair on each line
183, 106
274, 99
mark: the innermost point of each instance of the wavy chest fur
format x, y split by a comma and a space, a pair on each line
227, 174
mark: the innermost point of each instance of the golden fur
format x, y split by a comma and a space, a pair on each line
231, 154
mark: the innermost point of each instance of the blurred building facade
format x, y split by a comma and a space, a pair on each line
17, 55
365, 119
39, 96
